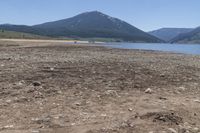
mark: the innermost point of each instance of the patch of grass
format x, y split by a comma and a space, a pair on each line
19, 35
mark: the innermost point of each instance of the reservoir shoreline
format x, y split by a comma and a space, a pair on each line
54, 87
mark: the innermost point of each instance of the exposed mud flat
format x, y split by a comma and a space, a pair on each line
51, 87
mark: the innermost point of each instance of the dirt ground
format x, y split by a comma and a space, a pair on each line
52, 87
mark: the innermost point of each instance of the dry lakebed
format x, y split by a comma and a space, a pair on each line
53, 87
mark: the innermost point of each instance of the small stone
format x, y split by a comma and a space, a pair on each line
182, 88
149, 91
190, 78
162, 75
8, 126
77, 103
51, 68
103, 115
124, 124
21, 83
186, 123
137, 86
59, 92
197, 100
196, 129
35, 131
8, 101
162, 98
73, 124
172, 130
182, 129
36, 83
130, 109
41, 120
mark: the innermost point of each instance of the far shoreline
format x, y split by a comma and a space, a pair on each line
109, 44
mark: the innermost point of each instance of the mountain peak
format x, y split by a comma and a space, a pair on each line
94, 12
96, 15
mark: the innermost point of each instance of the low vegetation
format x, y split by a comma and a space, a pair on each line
19, 35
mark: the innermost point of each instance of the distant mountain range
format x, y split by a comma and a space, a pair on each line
98, 25
190, 37
167, 34
87, 25
178, 35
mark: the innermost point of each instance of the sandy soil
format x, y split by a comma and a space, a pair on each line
51, 87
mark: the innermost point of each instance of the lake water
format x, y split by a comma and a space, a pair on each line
175, 48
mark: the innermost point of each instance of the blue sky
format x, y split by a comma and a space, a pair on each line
144, 14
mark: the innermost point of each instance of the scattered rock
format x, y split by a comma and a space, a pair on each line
8, 126
22, 99
73, 124
94, 72
38, 94
130, 109
137, 86
165, 117
171, 130
162, 98
162, 75
21, 83
197, 100
51, 68
35, 131
8, 101
77, 103
42, 120
112, 93
127, 124
182, 129
182, 88
103, 115
36, 83
148, 91
196, 129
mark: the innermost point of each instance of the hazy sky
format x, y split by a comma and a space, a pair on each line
144, 14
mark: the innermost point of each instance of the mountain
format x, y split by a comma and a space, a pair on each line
87, 25
190, 37
167, 34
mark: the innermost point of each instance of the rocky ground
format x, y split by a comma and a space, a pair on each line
49, 87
